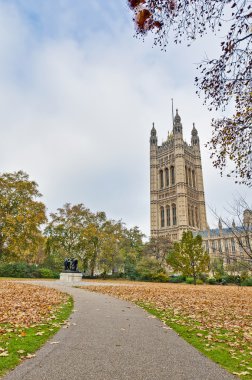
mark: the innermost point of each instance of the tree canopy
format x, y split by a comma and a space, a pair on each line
188, 256
225, 79
66, 232
21, 217
97, 242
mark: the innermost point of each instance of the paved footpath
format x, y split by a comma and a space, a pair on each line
109, 339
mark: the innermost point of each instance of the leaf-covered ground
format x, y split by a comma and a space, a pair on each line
29, 315
215, 319
25, 304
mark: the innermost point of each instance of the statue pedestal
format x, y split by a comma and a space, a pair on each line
70, 276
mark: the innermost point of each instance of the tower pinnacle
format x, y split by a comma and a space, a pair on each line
195, 137
177, 126
153, 136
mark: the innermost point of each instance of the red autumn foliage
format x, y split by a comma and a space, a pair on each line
135, 3
142, 20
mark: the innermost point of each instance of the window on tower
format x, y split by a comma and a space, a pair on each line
190, 178
196, 217
162, 216
167, 177
189, 216
168, 216
161, 179
172, 175
193, 178
192, 216
174, 214
186, 175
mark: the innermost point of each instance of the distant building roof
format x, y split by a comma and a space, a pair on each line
216, 232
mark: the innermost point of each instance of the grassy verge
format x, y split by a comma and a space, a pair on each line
17, 343
213, 344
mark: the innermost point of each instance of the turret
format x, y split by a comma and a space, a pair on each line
195, 137
153, 136
177, 126
247, 218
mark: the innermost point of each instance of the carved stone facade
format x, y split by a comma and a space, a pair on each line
230, 244
176, 184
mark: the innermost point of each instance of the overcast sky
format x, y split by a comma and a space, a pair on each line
78, 95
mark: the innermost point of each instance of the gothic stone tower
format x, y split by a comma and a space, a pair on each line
176, 184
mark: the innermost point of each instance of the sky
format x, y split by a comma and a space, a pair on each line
78, 96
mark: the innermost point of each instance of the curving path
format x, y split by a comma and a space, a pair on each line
109, 339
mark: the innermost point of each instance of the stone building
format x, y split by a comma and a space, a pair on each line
176, 184
177, 200
232, 244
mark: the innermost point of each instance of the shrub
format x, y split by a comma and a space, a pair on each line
199, 281
230, 279
247, 282
24, 270
203, 277
130, 271
159, 277
189, 280
47, 273
244, 275
212, 281
176, 279
149, 269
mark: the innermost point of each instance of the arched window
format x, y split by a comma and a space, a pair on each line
167, 177
161, 179
174, 214
172, 175
193, 178
190, 177
162, 216
233, 245
168, 216
186, 175
207, 246
213, 246
189, 216
192, 216
226, 246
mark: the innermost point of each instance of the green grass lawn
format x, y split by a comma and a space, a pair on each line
212, 344
17, 343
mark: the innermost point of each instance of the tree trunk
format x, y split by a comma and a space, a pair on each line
93, 261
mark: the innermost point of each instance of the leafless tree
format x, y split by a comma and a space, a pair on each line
238, 224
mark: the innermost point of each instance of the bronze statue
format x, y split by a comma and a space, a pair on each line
67, 264
71, 265
74, 264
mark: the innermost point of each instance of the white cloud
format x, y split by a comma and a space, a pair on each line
76, 108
